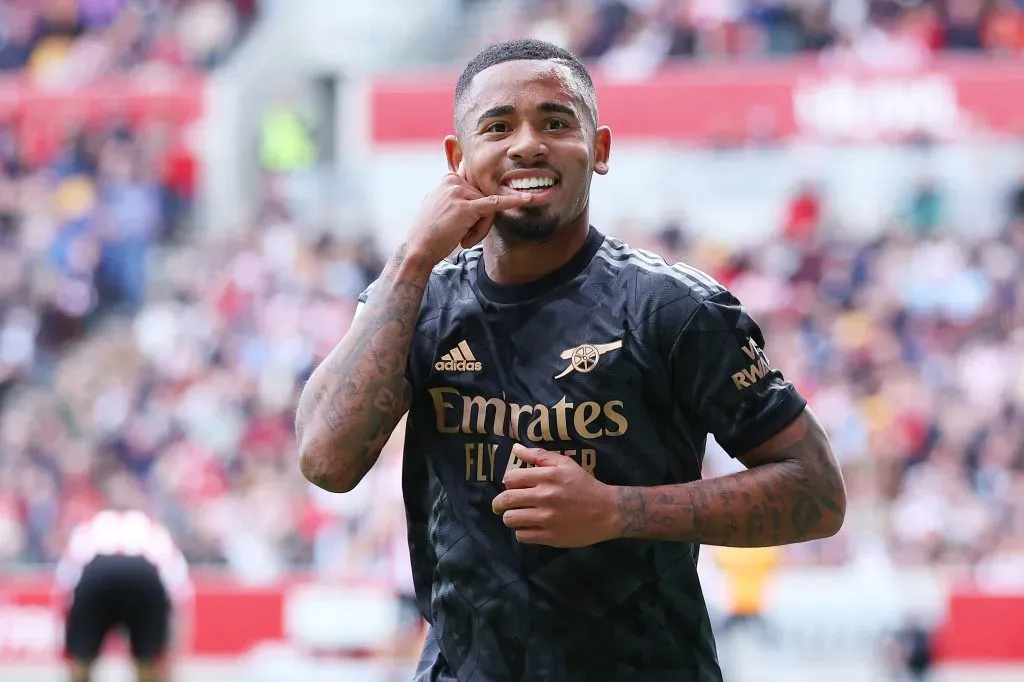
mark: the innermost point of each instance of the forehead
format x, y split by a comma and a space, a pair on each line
524, 84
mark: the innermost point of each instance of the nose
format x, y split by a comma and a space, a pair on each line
527, 145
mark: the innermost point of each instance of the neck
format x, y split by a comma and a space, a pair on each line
512, 262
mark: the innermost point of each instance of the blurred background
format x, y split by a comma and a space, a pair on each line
193, 193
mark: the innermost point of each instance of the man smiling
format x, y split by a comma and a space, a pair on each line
560, 387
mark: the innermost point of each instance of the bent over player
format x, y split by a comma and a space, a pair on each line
121, 569
560, 387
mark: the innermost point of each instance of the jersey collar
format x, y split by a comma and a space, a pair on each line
516, 293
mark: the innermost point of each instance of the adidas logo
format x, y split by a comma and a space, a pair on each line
459, 359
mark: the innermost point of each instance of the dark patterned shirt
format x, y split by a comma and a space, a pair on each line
623, 363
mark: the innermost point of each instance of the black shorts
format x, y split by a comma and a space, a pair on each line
118, 591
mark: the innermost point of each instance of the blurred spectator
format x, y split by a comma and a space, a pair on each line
927, 209
629, 38
803, 217
963, 24
79, 40
911, 652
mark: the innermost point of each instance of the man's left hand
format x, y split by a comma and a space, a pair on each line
555, 502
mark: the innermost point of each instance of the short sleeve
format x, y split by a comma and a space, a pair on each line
722, 375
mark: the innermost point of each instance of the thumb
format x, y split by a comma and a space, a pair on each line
477, 233
536, 456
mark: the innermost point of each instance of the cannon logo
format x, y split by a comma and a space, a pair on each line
459, 359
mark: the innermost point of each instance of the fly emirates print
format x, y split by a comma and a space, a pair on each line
457, 412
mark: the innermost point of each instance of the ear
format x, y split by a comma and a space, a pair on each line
602, 148
453, 153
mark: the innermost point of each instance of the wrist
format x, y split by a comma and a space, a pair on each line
412, 262
611, 513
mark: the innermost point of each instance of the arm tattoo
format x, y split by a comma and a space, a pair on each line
798, 496
357, 396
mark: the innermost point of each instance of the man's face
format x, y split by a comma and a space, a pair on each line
525, 127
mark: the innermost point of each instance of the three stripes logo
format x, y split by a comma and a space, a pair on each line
459, 359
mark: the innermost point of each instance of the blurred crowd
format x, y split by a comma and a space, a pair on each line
74, 41
634, 37
77, 228
909, 347
181, 400
142, 365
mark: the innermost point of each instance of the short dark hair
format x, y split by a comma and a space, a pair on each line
524, 49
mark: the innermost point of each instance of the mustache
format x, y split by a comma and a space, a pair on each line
530, 166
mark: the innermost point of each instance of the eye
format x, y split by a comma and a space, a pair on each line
497, 127
556, 124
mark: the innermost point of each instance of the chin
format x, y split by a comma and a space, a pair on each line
529, 224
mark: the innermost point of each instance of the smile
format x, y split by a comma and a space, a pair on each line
525, 184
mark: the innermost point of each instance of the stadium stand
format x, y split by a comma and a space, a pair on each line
140, 365
632, 37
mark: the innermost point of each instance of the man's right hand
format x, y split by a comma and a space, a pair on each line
456, 213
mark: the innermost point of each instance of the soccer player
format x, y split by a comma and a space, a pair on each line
560, 388
121, 569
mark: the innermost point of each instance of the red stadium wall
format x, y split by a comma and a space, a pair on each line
983, 627
227, 618
686, 104
43, 116
230, 619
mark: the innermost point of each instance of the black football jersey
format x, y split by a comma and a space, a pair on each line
623, 363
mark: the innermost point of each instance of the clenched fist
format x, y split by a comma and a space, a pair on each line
556, 502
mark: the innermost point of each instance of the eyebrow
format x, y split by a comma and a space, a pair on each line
508, 109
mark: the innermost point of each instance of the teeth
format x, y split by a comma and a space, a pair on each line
531, 183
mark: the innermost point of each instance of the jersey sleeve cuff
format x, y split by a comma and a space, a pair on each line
787, 409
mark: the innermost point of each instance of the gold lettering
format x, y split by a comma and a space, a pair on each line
584, 416
481, 474
440, 405
740, 380
754, 352
616, 417
513, 463
560, 408
540, 427
516, 411
480, 458
481, 405
588, 460
756, 372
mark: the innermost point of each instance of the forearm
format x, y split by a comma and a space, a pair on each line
358, 394
798, 498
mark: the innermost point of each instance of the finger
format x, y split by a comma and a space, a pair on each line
477, 233
536, 456
524, 479
510, 499
466, 189
490, 205
522, 518
463, 174
533, 536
